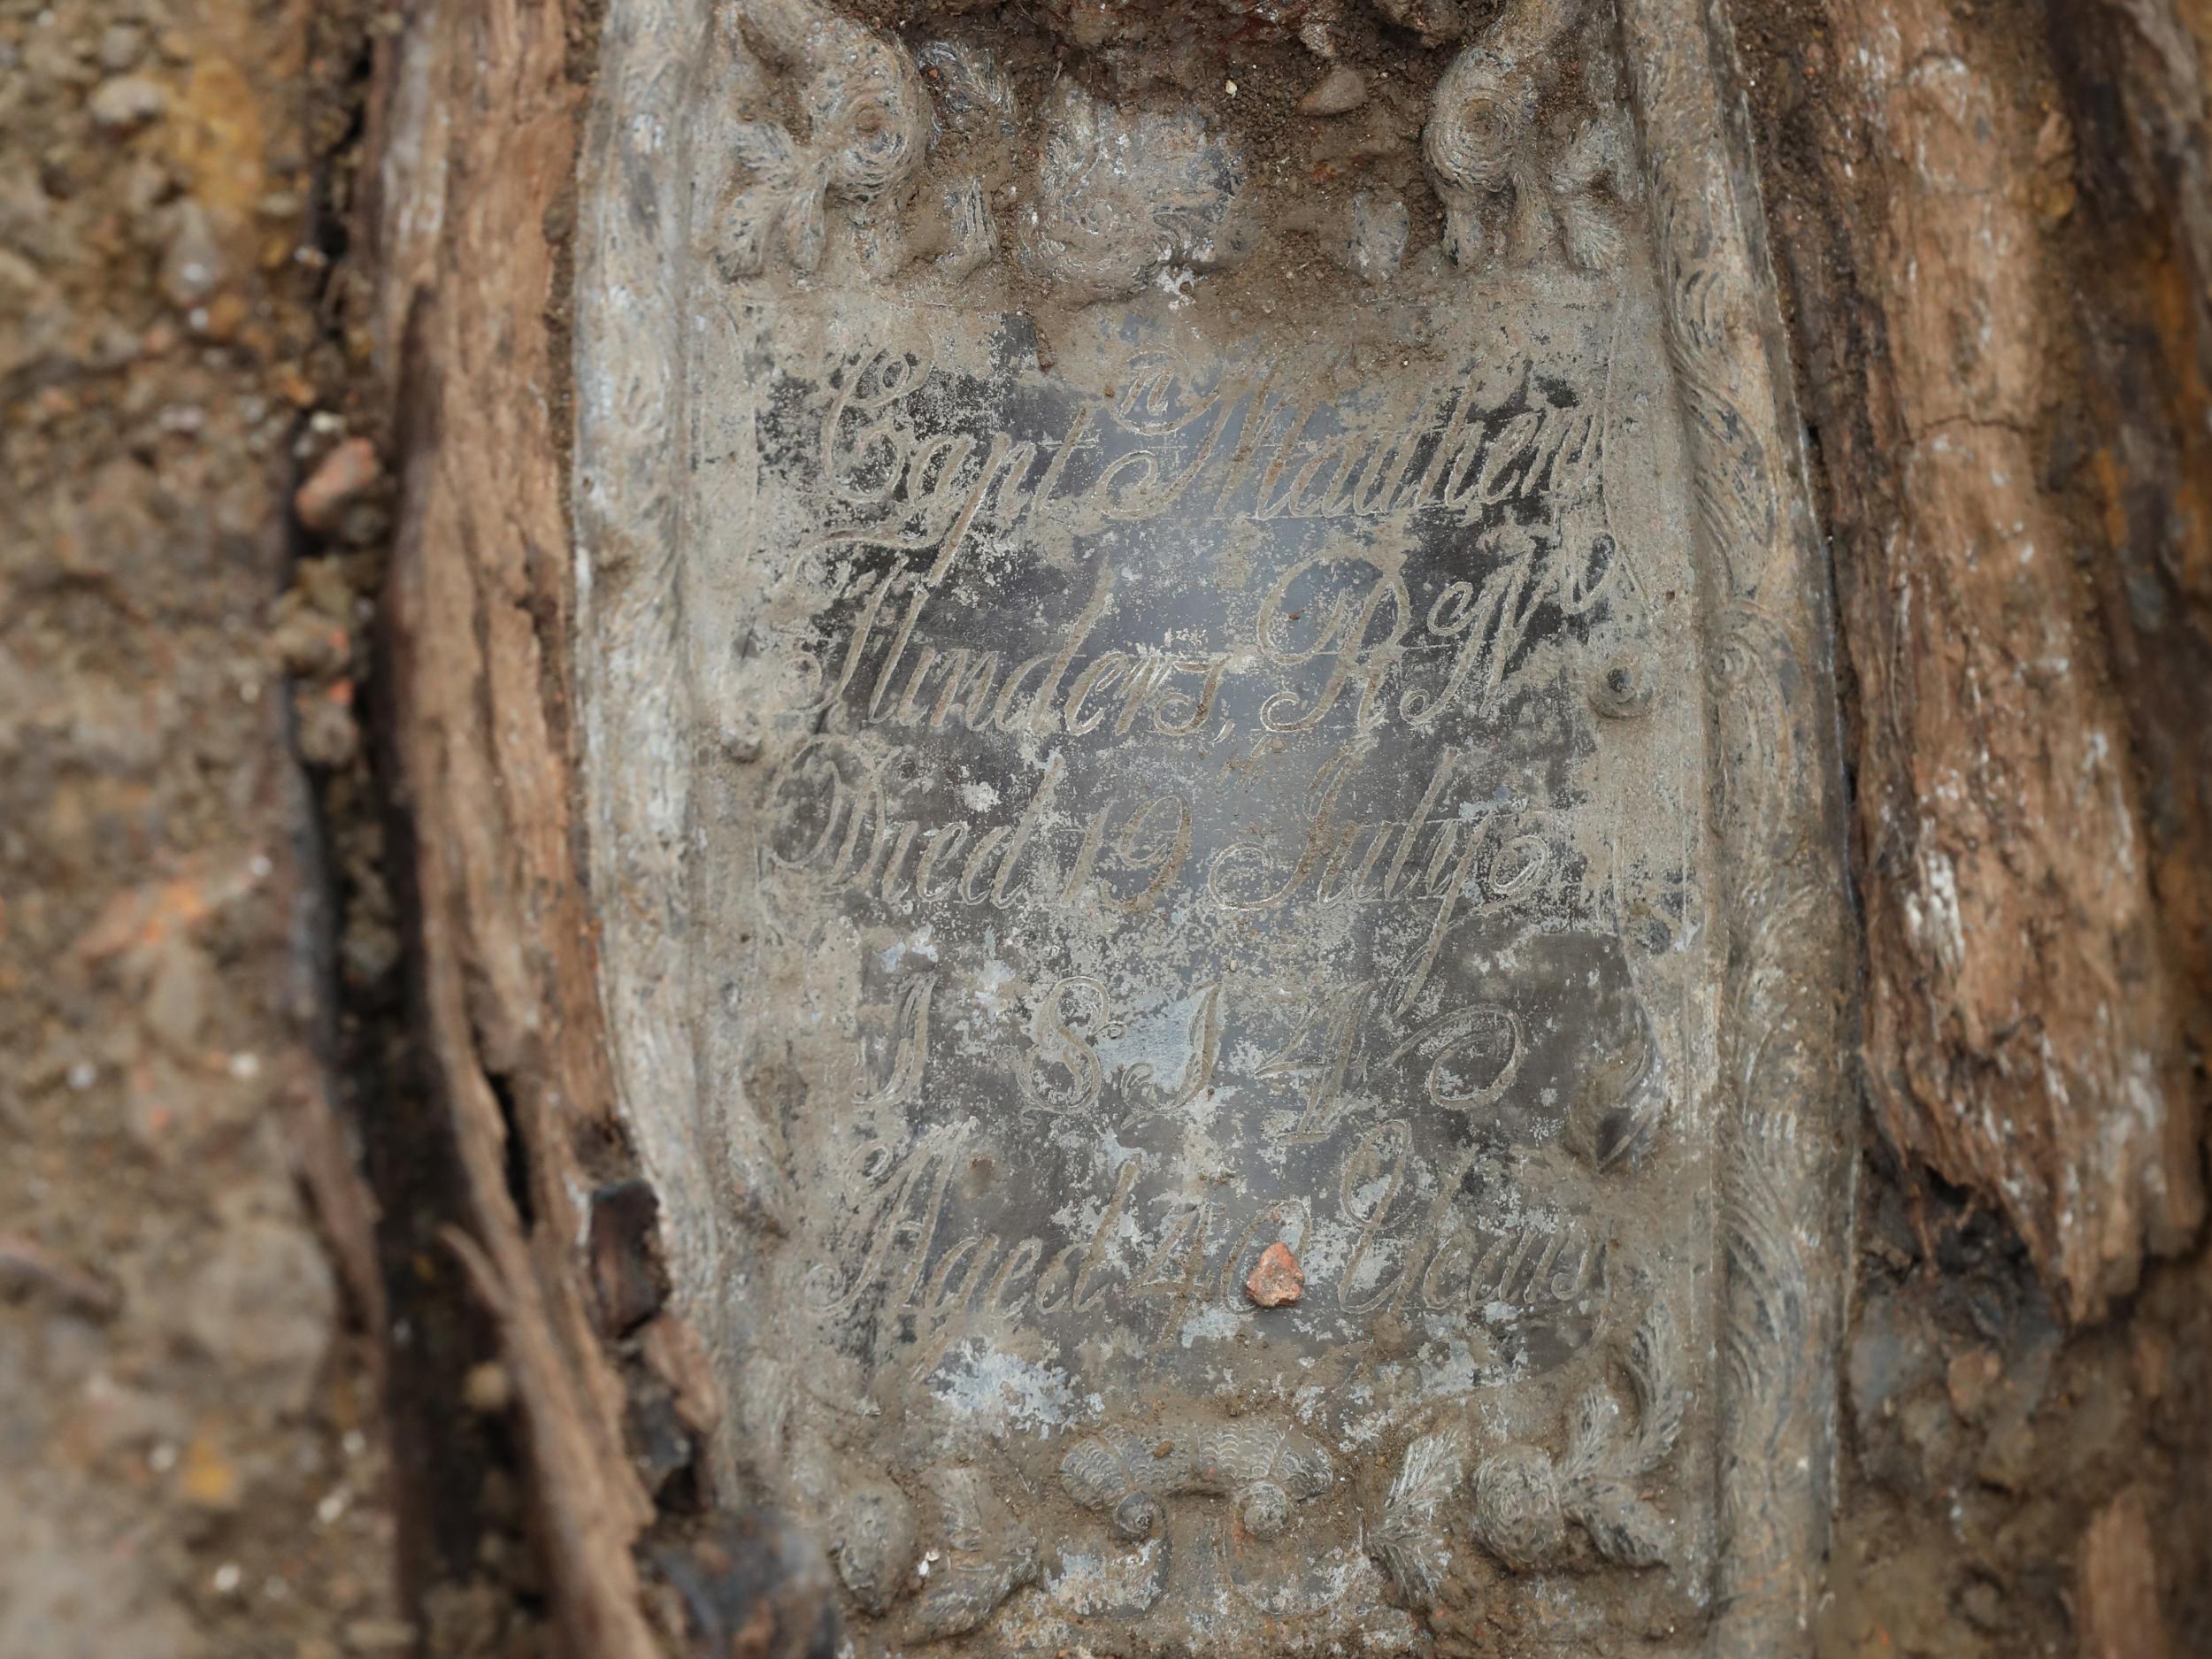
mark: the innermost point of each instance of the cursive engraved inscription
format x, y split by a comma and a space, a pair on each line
1344, 918
1193, 774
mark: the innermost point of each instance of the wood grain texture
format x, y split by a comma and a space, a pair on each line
2115, 1591
2134, 83
477, 147
2026, 1033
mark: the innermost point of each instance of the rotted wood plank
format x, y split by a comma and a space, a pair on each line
2026, 1035
478, 118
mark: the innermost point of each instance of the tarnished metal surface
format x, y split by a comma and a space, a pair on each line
1174, 969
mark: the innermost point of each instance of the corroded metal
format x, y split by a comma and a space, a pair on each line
1111, 765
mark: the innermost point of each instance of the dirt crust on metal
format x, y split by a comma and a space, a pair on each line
1186, 926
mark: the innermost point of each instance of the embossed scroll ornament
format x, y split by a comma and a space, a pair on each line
1525, 1497
1148, 710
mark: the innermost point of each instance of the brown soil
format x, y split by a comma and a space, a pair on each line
198, 959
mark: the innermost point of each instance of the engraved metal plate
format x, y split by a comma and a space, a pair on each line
1218, 908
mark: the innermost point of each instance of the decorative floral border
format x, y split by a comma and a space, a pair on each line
1785, 1164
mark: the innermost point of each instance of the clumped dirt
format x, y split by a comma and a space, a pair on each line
1982, 1440
1242, 68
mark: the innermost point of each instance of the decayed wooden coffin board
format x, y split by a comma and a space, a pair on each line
1212, 822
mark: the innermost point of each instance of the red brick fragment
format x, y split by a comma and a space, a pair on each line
1277, 1279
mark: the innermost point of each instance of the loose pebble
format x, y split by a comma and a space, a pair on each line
123, 103
191, 265
487, 1389
342, 478
121, 46
1343, 88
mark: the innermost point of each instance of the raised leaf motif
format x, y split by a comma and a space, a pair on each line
974, 233
1654, 1368
1524, 1502
1621, 1525
973, 94
1591, 1431
1265, 1470
764, 149
1513, 164
988, 1554
1410, 1541
1124, 198
745, 233
805, 227
867, 126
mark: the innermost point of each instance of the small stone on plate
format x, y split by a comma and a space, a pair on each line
1277, 1279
